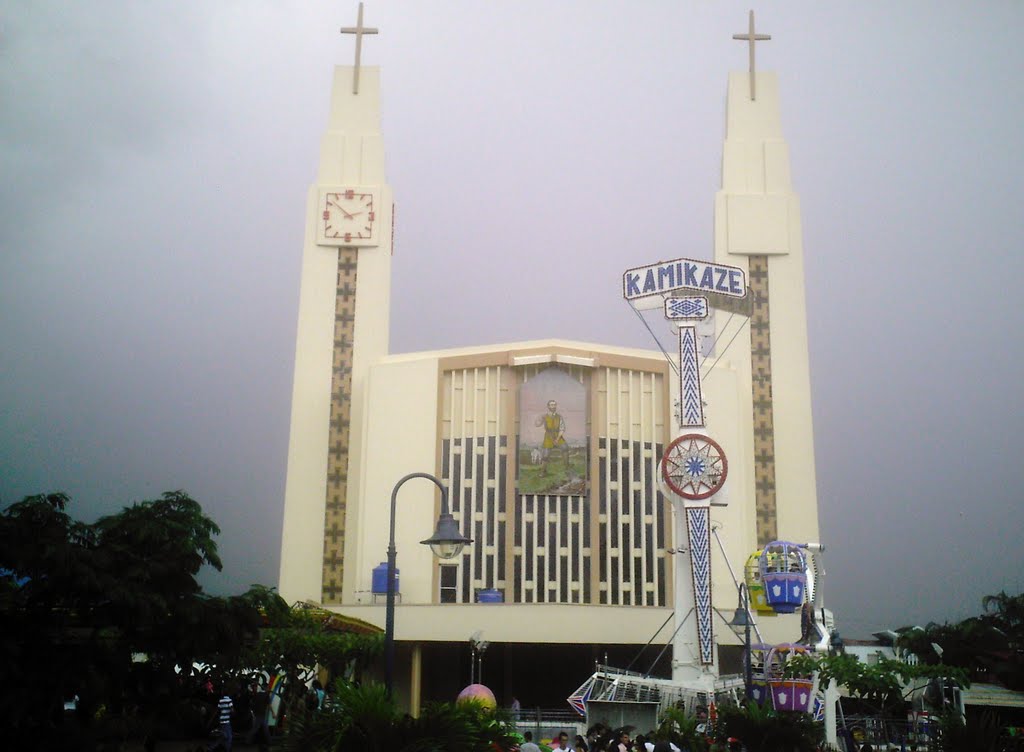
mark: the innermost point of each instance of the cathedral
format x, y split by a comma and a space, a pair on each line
549, 450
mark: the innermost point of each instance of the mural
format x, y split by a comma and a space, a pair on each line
553, 435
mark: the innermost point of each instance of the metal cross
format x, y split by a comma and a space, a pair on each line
750, 37
359, 30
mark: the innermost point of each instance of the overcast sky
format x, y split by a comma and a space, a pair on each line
155, 159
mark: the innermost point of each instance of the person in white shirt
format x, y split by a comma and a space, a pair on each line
560, 742
528, 745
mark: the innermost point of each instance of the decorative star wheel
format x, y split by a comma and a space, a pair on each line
694, 467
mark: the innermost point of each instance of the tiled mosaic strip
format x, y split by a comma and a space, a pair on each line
698, 529
338, 436
764, 419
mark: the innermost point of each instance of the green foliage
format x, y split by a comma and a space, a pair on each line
979, 734
301, 641
883, 685
564, 472
681, 730
80, 602
763, 729
365, 718
989, 647
962, 644
1006, 612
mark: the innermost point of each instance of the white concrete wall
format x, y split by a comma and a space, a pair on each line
400, 438
505, 622
306, 485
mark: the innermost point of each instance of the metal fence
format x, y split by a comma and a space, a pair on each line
888, 733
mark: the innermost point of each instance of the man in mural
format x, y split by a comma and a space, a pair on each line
554, 434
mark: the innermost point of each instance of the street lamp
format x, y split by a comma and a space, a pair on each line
446, 543
742, 619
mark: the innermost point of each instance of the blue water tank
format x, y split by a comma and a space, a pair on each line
490, 596
379, 580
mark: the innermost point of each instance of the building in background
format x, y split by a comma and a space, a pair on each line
549, 449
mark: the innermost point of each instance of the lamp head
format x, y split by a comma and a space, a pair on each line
741, 618
447, 541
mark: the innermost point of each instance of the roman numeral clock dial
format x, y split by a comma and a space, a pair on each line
348, 216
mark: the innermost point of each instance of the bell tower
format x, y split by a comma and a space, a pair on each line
342, 330
757, 225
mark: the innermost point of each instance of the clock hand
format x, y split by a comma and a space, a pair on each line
347, 215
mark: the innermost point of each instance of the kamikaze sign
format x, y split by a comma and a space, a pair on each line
683, 274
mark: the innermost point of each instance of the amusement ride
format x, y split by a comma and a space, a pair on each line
780, 577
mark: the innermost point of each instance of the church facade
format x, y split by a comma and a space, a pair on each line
549, 449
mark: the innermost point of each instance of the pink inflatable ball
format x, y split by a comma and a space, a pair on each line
479, 694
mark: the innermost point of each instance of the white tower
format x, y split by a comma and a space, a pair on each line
342, 331
757, 225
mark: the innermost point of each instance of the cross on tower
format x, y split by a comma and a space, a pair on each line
359, 30
750, 38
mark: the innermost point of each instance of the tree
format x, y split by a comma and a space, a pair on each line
1007, 612
982, 733
365, 718
107, 611
989, 646
883, 686
308, 635
686, 732
305, 637
965, 644
763, 729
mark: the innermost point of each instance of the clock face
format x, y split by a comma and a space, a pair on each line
348, 217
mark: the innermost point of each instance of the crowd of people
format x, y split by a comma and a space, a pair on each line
619, 740
235, 710
601, 740
246, 711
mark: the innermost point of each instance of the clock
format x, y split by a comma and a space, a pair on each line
348, 216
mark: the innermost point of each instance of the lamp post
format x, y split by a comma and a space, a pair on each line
742, 619
446, 543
